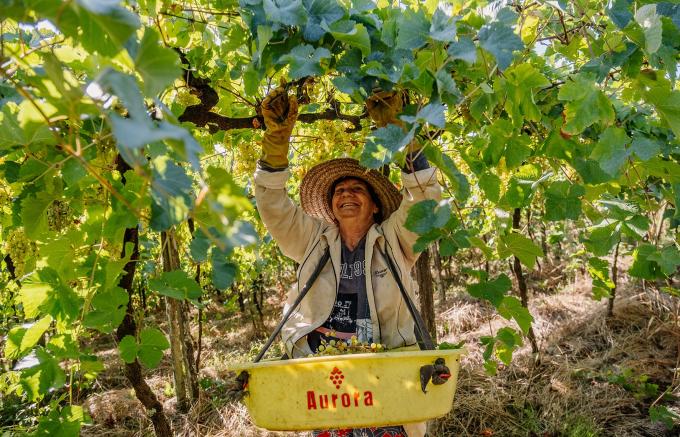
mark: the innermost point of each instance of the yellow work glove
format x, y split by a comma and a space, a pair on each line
280, 112
384, 107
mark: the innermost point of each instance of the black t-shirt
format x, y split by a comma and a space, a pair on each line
351, 314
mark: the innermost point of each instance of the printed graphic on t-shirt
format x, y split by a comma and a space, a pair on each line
343, 316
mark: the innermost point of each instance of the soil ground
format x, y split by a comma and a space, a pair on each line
594, 376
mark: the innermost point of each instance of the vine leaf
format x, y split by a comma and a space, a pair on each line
320, 12
305, 60
149, 349
109, 307
171, 191
586, 105
351, 33
383, 144
21, 339
443, 27
494, 291
611, 151
511, 308
520, 246
619, 12
427, 215
500, 40
158, 65
463, 49
562, 201
176, 284
413, 28
650, 22
598, 269
39, 379
286, 12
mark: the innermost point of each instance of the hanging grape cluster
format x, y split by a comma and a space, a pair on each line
18, 247
58, 215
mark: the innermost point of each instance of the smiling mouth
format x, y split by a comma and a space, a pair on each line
348, 204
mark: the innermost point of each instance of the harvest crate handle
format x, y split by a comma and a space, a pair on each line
324, 259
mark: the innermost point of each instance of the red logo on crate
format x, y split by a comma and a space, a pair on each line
337, 377
323, 401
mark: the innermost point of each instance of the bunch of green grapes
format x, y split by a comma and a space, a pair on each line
19, 248
58, 215
351, 346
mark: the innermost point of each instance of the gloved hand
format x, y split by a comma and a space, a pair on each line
280, 112
383, 107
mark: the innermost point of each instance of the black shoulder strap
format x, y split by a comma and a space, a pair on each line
322, 262
422, 334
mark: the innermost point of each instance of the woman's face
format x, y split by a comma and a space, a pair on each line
352, 201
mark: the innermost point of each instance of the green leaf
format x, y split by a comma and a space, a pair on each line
171, 192
586, 105
305, 60
611, 151
432, 113
459, 183
427, 215
643, 267
177, 285
128, 349
264, 35
446, 87
667, 103
62, 423
507, 341
645, 147
152, 343
518, 85
650, 22
481, 245
413, 29
21, 339
667, 258
493, 291
603, 237
511, 308
661, 413
500, 40
562, 201
383, 144
34, 214
351, 33
38, 380
599, 272
619, 12
158, 65
490, 184
286, 12
108, 309
224, 271
443, 27
463, 49
320, 12
520, 246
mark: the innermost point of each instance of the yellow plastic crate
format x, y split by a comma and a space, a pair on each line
347, 391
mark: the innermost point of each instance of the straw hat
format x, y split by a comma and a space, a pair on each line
317, 183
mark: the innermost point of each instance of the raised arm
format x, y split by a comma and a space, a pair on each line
286, 222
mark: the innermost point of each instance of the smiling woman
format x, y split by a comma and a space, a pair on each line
358, 216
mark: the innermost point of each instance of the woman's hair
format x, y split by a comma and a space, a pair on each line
377, 217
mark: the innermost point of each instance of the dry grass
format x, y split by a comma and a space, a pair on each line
565, 392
